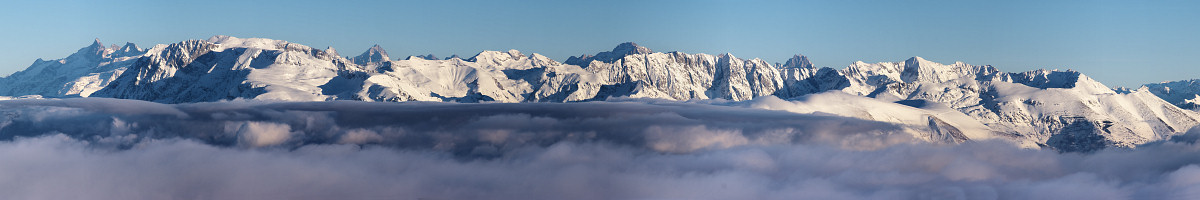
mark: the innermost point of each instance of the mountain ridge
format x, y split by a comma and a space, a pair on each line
1065, 110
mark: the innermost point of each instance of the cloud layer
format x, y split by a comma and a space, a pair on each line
121, 149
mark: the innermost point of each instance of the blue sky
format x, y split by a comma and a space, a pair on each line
1120, 43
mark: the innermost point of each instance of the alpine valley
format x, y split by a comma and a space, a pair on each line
939, 103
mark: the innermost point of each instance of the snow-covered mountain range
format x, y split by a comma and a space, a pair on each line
1185, 93
944, 103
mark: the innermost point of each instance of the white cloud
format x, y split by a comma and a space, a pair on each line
600, 150
260, 134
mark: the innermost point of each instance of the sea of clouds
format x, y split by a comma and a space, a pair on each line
96, 148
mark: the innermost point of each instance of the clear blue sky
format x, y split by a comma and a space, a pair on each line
1120, 43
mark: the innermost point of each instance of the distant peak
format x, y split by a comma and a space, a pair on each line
96, 43
430, 57
95, 50
220, 38
329, 50
630, 48
917, 61
375, 49
492, 56
129, 46
423, 57
375, 54
617, 53
726, 58
129, 49
798, 61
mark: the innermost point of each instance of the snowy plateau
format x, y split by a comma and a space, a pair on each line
938, 103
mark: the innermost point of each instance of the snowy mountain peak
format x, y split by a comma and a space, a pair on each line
130, 46
373, 55
622, 50
630, 48
727, 55
581, 60
1047, 78
329, 50
227, 42
94, 51
129, 49
219, 38
423, 57
798, 61
1181, 93
96, 43
917, 61
496, 57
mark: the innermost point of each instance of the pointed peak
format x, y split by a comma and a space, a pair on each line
630, 48
96, 44
798, 61
916, 58
617, 53
375, 54
726, 58
375, 49
917, 61
95, 50
627, 45
130, 47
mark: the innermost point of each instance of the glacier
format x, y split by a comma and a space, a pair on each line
940, 103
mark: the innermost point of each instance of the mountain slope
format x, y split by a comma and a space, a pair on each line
87, 70
1185, 93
